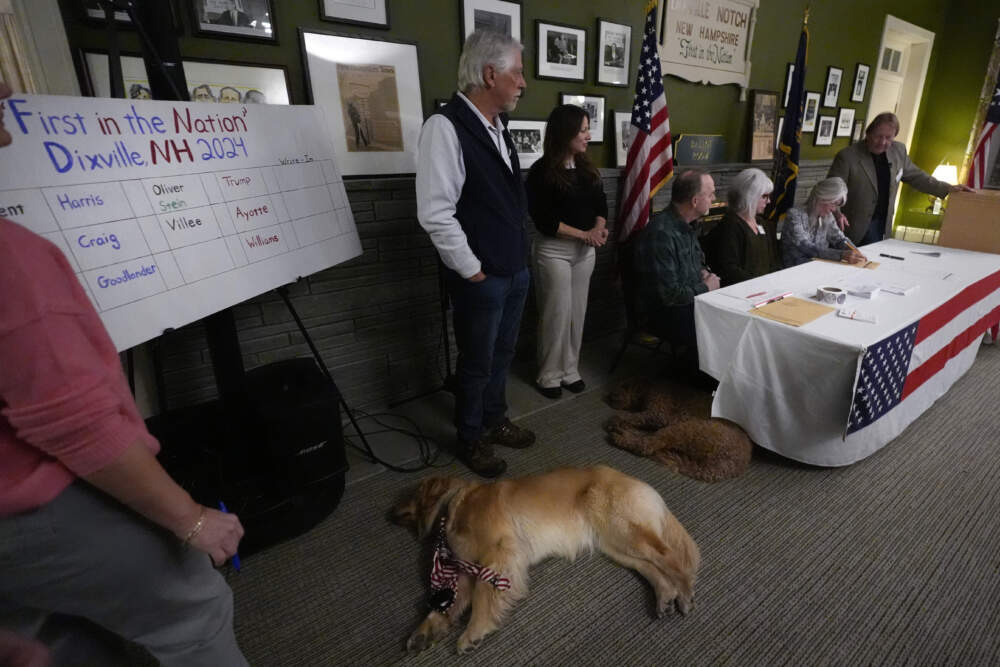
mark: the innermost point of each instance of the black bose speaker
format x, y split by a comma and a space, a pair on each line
278, 461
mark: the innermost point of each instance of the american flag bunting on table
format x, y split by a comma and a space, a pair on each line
984, 158
786, 165
650, 155
896, 366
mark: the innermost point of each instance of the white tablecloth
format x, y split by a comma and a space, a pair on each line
792, 388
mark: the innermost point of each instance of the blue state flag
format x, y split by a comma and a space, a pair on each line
786, 166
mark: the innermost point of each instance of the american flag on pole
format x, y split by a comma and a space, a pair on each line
985, 156
896, 366
650, 155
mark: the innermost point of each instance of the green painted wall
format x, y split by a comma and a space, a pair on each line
843, 33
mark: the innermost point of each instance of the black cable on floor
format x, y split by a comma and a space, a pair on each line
428, 449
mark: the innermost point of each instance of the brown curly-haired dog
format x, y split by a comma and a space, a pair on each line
670, 424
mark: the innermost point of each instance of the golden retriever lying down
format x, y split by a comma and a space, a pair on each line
511, 524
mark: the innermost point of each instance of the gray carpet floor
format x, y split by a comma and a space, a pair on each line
893, 560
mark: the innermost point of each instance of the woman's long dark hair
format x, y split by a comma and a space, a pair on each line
563, 125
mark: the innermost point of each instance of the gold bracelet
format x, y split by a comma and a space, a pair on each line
197, 526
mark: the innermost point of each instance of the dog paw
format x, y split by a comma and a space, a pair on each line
418, 641
466, 643
684, 604
664, 608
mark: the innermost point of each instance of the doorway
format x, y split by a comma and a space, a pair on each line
900, 71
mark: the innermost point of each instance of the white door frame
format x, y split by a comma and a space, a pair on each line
921, 43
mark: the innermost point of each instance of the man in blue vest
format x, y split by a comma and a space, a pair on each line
471, 201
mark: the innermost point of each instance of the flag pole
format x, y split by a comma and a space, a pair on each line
985, 95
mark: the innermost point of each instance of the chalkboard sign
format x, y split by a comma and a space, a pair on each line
692, 149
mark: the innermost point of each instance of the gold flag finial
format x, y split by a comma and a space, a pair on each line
805, 17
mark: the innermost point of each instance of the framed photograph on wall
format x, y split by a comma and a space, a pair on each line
370, 90
369, 13
845, 122
529, 140
861, 72
234, 19
789, 71
594, 106
499, 15
831, 91
614, 46
763, 124
781, 128
562, 50
810, 111
208, 80
825, 127
623, 136
859, 130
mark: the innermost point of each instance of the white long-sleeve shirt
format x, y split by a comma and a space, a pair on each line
440, 178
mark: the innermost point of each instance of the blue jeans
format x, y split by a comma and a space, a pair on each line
486, 316
875, 233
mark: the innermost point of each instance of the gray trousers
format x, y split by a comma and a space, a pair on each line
562, 281
86, 555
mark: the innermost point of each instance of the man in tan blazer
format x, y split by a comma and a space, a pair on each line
872, 169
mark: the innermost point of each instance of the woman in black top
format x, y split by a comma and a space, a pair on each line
570, 210
744, 244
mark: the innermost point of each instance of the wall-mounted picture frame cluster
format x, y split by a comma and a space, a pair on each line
529, 140
497, 15
208, 80
370, 90
594, 105
247, 19
367, 13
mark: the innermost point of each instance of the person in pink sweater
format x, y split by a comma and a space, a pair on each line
90, 524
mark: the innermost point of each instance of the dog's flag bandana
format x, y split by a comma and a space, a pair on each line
445, 570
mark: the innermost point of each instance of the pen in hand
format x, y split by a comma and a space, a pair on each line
882, 254
235, 560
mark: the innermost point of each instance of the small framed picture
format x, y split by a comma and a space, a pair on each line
763, 123
497, 15
234, 19
623, 136
781, 128
370, 91
859, 130
614, 45
860, 82
529, 140
832, 89
845, 122
562, 50
810, 111
369, 13
594, 106
789, 71
825, 127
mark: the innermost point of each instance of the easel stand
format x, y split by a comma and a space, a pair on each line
448, 384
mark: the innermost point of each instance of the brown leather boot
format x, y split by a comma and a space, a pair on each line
508, 435
479, 457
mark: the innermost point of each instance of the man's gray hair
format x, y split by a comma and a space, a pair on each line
482, 48
831, 189
745, 190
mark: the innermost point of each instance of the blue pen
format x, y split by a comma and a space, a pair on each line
235, 560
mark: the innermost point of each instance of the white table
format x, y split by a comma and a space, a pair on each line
809, 393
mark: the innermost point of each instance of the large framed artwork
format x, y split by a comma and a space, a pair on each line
834, 76
370, 90
810, 111
623, 136
614, 47
497, 15
529, 140
234, 19
208, 80
368, 13
763, 124
562, 51
594, 105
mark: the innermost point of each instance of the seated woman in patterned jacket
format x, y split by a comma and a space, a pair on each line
813, 232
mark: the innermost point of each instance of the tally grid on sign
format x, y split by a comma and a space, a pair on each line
446, 568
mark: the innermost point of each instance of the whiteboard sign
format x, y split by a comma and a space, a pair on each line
171, 211
707, 41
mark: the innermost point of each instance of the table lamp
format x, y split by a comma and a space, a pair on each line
947, 173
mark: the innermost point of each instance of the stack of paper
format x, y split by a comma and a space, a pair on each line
865, 290
900, 287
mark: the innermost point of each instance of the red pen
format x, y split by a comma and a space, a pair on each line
750, 296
